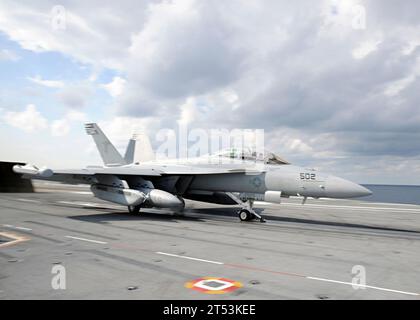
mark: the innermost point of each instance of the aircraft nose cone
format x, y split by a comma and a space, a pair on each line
340, 188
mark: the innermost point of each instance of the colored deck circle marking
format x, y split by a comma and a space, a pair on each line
213, 285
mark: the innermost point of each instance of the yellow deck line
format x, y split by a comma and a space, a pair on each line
16, 239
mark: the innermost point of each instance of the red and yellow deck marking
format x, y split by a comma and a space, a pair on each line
15, 239
213, 285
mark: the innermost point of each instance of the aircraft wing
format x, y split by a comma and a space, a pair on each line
88, 175
108, 171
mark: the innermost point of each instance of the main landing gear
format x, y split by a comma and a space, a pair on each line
134, 209
179, 211
246, 213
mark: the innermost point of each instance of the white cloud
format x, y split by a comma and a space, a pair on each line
183, 49
47, 83
232, 98
188, 111
120, 129
411, 46
77, 116
29, 120
8, 55
364, 49
298, 145
115, 87
60, 128
75, 96
214, 64
395, 87
98, 37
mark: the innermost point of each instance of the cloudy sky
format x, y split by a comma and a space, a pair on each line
335, 84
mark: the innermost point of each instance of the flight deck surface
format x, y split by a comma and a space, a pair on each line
302, 252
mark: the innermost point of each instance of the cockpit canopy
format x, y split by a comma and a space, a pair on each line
251, 155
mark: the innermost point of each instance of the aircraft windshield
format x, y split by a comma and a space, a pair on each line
250, 154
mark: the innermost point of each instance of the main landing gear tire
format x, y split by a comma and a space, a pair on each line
134, 209
245, 215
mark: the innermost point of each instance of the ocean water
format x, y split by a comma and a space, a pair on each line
393, 193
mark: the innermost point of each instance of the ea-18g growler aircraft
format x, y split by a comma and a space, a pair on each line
136, 181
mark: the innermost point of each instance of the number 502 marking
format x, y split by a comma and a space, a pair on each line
308, 176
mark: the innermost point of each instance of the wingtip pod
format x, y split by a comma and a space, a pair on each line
45, 172
32, 170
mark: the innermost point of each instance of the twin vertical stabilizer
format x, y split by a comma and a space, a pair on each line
139, 148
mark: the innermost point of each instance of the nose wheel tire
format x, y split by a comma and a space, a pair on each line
245, 215
134, 209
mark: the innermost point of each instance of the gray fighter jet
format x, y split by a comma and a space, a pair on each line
137, 181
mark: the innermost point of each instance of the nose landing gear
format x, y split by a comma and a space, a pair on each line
247, 213
244, 215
